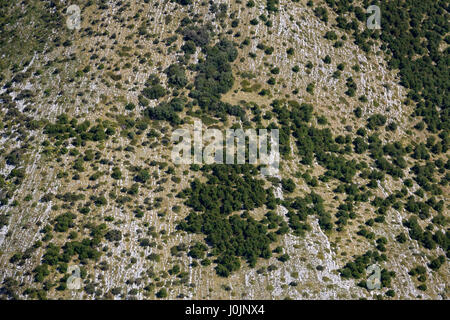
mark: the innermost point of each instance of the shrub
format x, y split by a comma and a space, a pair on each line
155, 92
330, 35
162, 293
176, 75
113, 235
288, 185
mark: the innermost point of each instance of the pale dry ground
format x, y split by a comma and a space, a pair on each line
304, 34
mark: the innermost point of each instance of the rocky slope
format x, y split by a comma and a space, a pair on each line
100, 72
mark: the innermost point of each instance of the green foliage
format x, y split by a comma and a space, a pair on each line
162, 293
116, 173
189, 47
4, 219
288, 185
435, 264
167, 111
214, 78
142, 176
199, 35
113, 235
376, 120
154, 92
64, 129
40, 272
360, 145
403, 25
272, 5
321, 13
228, 189
198, 250
176, 76
154, 257
401, 238
330, 35
183, 2
300, 208
64, 222
284, 257
351, 87
357, 268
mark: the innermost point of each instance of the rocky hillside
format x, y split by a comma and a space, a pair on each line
92, 206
